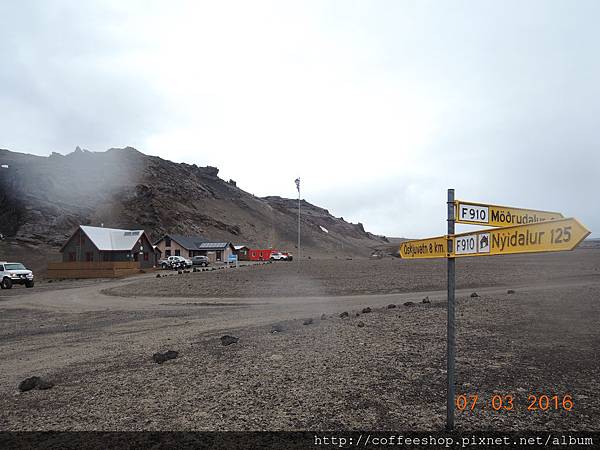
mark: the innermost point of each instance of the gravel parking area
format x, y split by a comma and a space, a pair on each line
325, 277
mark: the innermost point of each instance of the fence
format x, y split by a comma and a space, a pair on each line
102, 269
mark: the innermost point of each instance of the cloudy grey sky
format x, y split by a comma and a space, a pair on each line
379, 106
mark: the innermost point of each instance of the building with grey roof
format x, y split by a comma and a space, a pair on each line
190, 246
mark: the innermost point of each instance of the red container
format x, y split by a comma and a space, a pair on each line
256, 254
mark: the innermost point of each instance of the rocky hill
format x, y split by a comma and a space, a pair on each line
43, 199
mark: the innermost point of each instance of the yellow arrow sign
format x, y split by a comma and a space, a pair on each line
435, 247
548, 236
500, 216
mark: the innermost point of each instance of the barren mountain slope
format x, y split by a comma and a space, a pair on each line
43, 199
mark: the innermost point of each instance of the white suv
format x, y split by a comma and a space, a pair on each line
14, 273
278, 256
169, 261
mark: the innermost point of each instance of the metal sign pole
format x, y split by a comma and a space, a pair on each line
451, 334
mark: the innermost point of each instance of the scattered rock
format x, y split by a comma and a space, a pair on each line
171, 354
344, 314
323, 317
160, 358
179, 272
366, 310
228, 340
426, 300
43, 384
360, 324
357, 315
409, 304
307, 321
34, 383
276, 357
474, 294
391, 306
277, 328
28, 384
510, 291
49, 281
158, 275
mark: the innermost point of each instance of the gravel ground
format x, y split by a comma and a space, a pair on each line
331, 374
327, 277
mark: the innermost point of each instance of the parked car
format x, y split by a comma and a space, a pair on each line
14, 273
200, 261
175, 262
278, 256
288, 256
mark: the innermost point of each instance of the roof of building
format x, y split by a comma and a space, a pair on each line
112, 239
187, 242
239, 247
196, 242
213, 245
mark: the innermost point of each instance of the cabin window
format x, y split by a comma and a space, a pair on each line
177, 253
167, 253
145, 256
219, 255
167, 242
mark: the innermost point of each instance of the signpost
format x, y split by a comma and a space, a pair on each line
436, 247
233, 258
550, 236
500, 216
517, 230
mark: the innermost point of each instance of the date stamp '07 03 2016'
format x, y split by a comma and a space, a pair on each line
509, 402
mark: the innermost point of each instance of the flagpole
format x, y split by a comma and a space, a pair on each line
298, 185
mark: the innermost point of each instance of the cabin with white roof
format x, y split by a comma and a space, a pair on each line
98, 244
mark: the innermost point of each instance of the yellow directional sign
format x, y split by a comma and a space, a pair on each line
435, 247
548, 236
500, 216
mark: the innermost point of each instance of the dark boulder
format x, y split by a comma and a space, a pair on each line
344, 314
409, 304
366, 310
391, 306
277, 328
171, 354
228, 340
35, 383
28, 384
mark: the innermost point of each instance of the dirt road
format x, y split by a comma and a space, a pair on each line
333, 373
